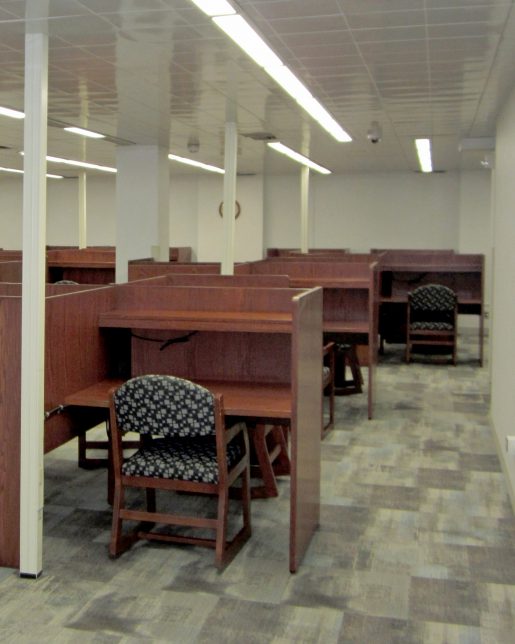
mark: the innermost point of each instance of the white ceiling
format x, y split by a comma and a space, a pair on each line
159, 71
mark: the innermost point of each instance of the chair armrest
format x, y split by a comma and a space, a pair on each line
235, 430
327, 349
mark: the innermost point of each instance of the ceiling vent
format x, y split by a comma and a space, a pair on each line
260, 136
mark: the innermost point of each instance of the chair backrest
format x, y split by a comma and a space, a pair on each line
432, 302
164, 405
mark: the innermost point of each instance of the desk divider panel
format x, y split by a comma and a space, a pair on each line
10, 391
76, 356
463, 273
399, 253
306, 413
12, 289
350, 304
199, 279
259, 266
268, 336
64, 256
143, 270
286, 252
10, 271
10, 255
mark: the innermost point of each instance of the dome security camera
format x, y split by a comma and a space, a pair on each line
193, 145
375, 132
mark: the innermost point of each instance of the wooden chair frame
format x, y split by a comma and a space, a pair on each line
328, 386
431, 337
225, 549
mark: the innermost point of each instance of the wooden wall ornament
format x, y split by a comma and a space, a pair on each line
237, 212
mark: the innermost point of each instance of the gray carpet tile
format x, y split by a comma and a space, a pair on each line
416, 543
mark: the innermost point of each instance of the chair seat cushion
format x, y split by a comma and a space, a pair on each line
431, 326
182, 459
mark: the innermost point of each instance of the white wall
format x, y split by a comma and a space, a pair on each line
249, 225
386, 210
503, 313
11, 195
358, 211
184, 212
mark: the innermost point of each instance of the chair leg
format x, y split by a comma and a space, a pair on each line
115, 546
226, 551
245, 498
281, 462
355, 368
257, 435
221, 529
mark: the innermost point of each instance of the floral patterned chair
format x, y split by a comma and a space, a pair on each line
185, 447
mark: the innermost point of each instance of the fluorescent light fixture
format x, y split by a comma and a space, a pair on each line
14, 114
81, 164
196, 164
283, 149
316, 110
424, 154
16, 171
214, 7
78, 164
239, 30
89, 133
289, 82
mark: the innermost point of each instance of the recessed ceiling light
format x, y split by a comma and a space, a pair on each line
88, 133
239, 30
299, 158
214, 7
16, 171
14, 114
196, 164
424, 154
79, 164
246, 37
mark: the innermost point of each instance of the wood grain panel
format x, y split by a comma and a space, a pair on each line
10, 384
10, 271
143, 270
306, 423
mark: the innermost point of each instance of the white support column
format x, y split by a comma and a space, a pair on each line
231, 158
304, 209
33, 304
142, 205
82, 188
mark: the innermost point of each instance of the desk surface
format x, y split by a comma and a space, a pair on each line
331, 282
346, 326
254, 400
253, 321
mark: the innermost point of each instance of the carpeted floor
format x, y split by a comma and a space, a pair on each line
416, 542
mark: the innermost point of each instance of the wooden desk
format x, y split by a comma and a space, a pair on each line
76, 356
208, 279
293, 252
144, 270
350, 300
260, 347
10, 271
251, 400
399, 274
